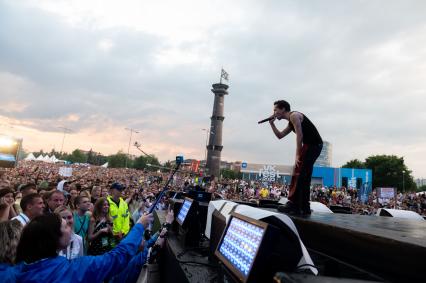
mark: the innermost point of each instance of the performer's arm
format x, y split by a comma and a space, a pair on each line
295, 120
279, 134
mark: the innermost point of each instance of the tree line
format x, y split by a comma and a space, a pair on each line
388, 171
118, 160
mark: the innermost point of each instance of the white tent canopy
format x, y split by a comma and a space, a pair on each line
399, 213
30, 157
105, 165
40, 158
45, 158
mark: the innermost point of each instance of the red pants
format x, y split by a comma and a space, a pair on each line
302, 173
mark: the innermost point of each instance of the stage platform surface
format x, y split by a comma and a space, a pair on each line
396, 229
392, 248
192, 265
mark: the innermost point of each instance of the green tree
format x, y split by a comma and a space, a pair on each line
118, 160
355, 163
168, 164
390, 171
38, 153
58, 155
77, 156
91, 157
421, 188
230, 174
101, 159
55, 153
142, 162
96, 158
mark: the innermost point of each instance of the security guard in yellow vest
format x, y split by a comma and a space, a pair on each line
119, 211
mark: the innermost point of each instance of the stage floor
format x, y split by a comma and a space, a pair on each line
392, 248
397, 229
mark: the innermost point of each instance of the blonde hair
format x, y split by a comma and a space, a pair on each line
62, 208
85, 193
10, 233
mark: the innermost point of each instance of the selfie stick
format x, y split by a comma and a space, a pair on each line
160, 196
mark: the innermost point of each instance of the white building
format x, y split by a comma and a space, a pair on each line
420, 182
324, 160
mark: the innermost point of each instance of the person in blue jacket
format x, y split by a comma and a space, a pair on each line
10, 232
38, 260
131, 273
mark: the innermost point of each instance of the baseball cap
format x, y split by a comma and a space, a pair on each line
117, 186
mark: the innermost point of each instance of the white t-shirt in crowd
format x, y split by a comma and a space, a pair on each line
74, 249
22, 218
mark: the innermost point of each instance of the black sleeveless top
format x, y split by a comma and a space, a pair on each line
310, 132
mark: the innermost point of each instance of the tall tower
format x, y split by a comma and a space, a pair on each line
214, 148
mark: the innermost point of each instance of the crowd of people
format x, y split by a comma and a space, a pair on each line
95, 217
330, 196
350, 198
252, 191
86, 227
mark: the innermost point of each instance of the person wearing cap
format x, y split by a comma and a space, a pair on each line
119, 211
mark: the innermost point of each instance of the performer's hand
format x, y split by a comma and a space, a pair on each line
298, 161
273, 118
170, 217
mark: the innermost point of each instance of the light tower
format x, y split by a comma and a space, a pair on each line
214, 148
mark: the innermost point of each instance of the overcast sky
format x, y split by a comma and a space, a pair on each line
357, 69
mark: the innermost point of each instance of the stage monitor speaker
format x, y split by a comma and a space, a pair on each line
175, 205
225, 207
218, 224
397, 213
200, 196
253, 250
315, 206
170, 194
177, 195
189, 228
340, 209
268, 203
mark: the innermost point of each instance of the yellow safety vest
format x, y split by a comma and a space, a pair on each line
120, 216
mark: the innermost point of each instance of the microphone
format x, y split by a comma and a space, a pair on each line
266, 120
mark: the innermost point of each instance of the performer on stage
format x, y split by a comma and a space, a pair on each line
309, 145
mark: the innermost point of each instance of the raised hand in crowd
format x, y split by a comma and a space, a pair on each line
106, 230
146, 219
170, 216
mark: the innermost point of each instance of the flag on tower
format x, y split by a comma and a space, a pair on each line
224, 75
